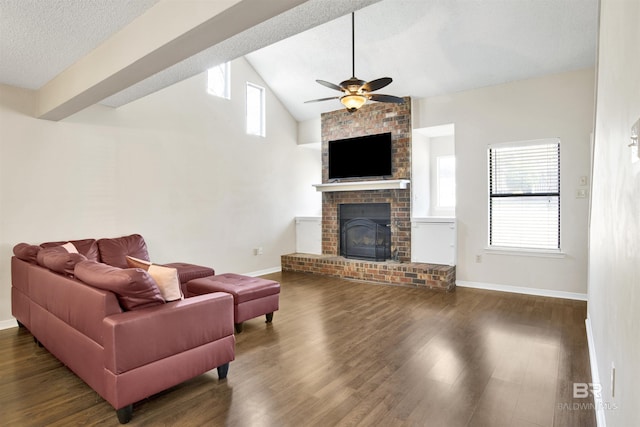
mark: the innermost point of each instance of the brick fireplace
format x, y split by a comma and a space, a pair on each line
373, 118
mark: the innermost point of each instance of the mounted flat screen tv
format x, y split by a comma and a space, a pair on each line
363, 156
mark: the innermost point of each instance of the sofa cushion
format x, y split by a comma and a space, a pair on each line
58, 259
114, 251
26, 252
165, 277
87, 247
134, 287
65, 248
188, 271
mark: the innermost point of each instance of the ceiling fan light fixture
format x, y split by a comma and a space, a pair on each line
357, 92
353, 101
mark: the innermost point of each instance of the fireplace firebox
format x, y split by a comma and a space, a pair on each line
365, 231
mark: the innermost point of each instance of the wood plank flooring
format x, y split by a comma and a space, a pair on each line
347, 353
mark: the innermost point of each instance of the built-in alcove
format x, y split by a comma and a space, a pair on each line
433, 177
433, 195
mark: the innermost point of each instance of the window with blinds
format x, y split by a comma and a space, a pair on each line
524, 195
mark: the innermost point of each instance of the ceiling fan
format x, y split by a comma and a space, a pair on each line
357, 92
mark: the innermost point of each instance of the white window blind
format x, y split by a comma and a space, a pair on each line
524, 200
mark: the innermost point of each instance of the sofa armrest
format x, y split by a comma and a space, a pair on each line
136, 338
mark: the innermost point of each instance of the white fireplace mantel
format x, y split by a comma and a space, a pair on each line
386, 184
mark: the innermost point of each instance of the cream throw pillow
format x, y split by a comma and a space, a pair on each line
165, 277
70, 247
138, 263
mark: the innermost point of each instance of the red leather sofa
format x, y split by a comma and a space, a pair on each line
117, 333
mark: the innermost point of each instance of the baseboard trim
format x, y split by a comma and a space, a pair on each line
522, 290
595, 375
10, 323
263, 272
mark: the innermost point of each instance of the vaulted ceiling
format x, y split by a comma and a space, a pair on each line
428, 47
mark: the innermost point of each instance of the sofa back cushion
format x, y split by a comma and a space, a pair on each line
86, 247
134, 287
26, 252
114, 251
57, 258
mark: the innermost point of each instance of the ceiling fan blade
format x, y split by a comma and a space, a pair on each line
330, 85
322, 99
377, 84
385, 98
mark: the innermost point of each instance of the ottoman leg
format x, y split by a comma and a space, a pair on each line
238, 327
125, 414
269, 317
222, 371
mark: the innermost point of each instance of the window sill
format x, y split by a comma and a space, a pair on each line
541, 253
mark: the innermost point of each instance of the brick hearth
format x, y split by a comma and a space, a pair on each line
431, 276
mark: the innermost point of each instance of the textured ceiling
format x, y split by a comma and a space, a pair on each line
428, 47
41, 38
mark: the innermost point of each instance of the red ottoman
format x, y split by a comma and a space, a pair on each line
252, 296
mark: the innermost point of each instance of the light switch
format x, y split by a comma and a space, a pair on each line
584, 181
581, 193
635, 132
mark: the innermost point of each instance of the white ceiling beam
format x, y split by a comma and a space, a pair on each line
166, 34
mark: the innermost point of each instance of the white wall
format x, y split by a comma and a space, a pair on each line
310, 132
552, 106
175, 166
614, 256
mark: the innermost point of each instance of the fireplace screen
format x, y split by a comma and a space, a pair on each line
365, 231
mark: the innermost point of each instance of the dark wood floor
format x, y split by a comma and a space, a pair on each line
349, 353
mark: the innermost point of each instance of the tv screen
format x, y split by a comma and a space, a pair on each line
363, 156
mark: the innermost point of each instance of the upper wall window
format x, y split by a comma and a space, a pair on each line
524, 195
255, 110
218, 80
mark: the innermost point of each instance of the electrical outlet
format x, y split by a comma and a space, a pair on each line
258, 251
635, 143
478, 258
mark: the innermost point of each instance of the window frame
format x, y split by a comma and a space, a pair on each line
524, 249
227, 83
262, 125
439, 180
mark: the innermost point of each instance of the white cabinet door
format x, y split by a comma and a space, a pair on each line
433, 241
309, 235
